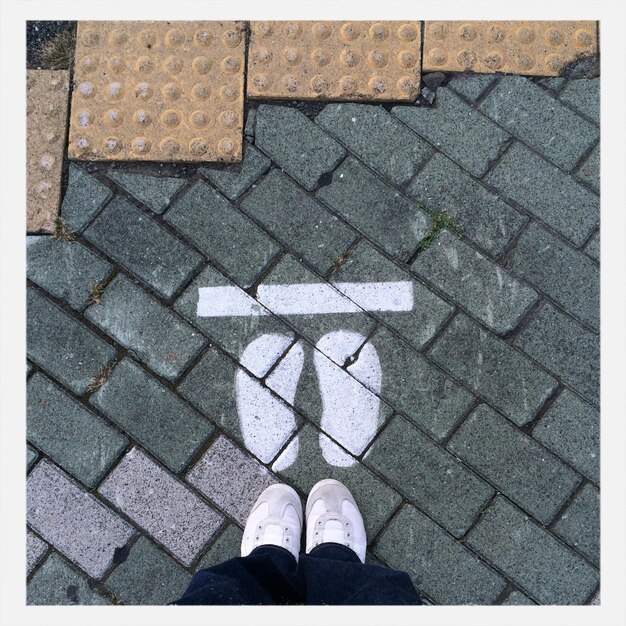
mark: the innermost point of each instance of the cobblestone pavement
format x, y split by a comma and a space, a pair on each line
466, 423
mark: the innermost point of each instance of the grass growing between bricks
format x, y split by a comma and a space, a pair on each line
441, 221
62, 231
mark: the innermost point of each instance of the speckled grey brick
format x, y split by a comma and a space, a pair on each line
438, 565
31, 456
532, 114
472, 86
566, 349
67, 270
518, 598
547, 192
160, 504
148, 576
429, 476
531, 557
482, 216
565, 275
138, 322
35, 549
72, 520
593, 247
141, 245
595, 601
152, 414
554, 83
280, 129
583, 94
384, 215
476, 283
458, 130
227, 546
155, 192
502, 376
230, 478
514, 463
63, 346
84, 197
589, 171
377, 138
80, 441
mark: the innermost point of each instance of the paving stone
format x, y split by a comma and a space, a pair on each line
161, 505
530, 113
456, 129
81, 442
377, 138
142, 246
478, 284
230, 478
596, 600
482, 216
73, 521
518, 598
531, 557
584, 96
227, 546
148, 576
375, 208
555, 83
31, 457
429, 476
593, 247
566, 349
471, 86
233, 183
546, 192
565, 275
35, 549
500, 375
141, 324
29, 368
514, 463
155, 192
571, 429
222, 232
63, 346
279, 129
57, 583
438, 565
152, 414
589, 171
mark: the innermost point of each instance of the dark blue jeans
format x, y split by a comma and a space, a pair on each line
329, 574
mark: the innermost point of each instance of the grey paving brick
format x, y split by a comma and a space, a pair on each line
152, 414
62, 346
81, 442
595, 601
377, 138
545, 191
227, 546
57, 583
141, 245
67, 270
583, 94
554, 83
438, 565
232, 183
429, 476
531, 557
472, 86
155, 192
230, 478
279, 129
141, 324
72, 520
84, 197
31, 456
589, 171
512, 461
29, 368
518, 598
482, 216
35, 549
566, 349
456, 129
379, 211
475, 282
532, 114
593, 247
148, 576
500, 375
161, 505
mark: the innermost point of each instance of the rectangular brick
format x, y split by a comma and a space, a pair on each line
589, 171
593, 247
583, 95
73, 521
226, 547
471, 86
161, 505
35, 549
155, 192
31, 456
518, 598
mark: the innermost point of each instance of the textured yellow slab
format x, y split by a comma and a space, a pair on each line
334, 60
158, 91
46, 120
530, 48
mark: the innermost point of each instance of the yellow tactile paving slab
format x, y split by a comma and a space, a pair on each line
534, 48
46, 121
334, 60
158, 91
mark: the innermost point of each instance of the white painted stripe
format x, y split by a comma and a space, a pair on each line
227, 301
387, 296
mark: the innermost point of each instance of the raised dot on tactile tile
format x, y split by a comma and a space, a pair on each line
377, 59
56, 83
293, 56
90, 38
141, 145
86, 90
228, 119
83, 144
50, 110
142, 118
525, 61
379, 31
169, 146
496, 34
525, 34
144, 65
492, 60
143, 91
51, 136
229, 65
320, 57
147, 38
226, 146
406, 58
200, 92
44, 187
554, 36
202, 38
408, 85
46, 162
293, 30
407, 32
198, 146
228, 92
437, 56
466, 58
318, 84
88, 64
583, 38
349, 58
263, 55
171, 91
84, 118
174, 38
112, 145
173, 65
291, 83
261, 82
378, 84
554, 62
438, 30
232, 38
115, 90
113, 118
201, 65
350, 31
116, 64
263, 29
321, 30
118, 38
467, 32
199, 119
170, 118
348, 84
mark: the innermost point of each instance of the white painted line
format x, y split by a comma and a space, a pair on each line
227, 302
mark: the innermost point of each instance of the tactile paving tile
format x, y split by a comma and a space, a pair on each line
334, 60
46, 121
530, 48
158, 91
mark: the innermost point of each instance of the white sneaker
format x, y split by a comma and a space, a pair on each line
333, 516
275, 519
